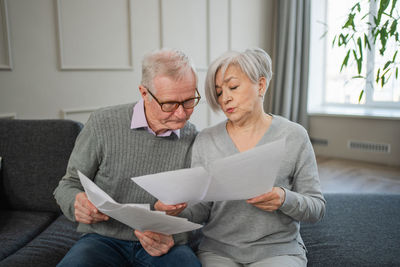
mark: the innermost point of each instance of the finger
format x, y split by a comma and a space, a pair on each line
96, 215
163, 207
149, 249
155, 244
262, 198
83, 218
100, 217
174, 212
90, 218
85, 202
178, 210
160, 206
266, 207
79, 207
160, 242
89, 205
181, 206
164, 242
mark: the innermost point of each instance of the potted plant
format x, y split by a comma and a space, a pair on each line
367, 29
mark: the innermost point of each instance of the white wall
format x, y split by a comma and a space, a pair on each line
65, 66
337, 131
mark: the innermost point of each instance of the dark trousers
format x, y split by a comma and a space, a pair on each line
96, 250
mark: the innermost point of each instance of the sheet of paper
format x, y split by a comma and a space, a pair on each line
240, 176
247, 174
137, 216
176, 186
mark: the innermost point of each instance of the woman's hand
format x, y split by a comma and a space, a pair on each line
155, 244
270, 201
170, 209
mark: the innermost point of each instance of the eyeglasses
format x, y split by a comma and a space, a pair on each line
171, 106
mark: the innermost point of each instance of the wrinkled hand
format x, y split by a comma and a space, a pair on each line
155, 244
170, 209
270, 201
86, 212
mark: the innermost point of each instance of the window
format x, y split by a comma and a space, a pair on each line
333, 91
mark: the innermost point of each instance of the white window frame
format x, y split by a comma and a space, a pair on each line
317, 78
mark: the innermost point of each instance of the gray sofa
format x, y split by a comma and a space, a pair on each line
358, 229
34, 157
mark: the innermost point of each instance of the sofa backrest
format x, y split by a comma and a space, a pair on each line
34, 156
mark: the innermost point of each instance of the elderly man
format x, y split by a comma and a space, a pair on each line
120, 142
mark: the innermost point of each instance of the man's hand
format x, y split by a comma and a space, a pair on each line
170, 209
155, 244
86, 212
270, 201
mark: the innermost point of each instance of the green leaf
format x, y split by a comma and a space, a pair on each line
386, 71
393, 28
346, 59
343, 39
393, 6
358, 77
350, 22
382, 81
377, 75
394, 56
359, 43
383, 38
333, 42
397, 72
358, 60
358, 7
375, 20
366, 42
361, 95
387, 64
382, 7
363, 17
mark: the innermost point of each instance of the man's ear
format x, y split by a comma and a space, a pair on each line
143, 92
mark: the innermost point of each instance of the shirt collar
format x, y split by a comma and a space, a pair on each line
139, 121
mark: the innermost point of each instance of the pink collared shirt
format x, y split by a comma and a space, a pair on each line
139, 121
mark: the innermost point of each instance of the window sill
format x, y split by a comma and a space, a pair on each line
355, 112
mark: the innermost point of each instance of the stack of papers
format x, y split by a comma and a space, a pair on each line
137, 216
240, 176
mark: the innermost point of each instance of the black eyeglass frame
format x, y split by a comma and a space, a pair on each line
176, 103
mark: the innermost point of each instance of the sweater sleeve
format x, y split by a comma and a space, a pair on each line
85, 158
305, 201
199, 212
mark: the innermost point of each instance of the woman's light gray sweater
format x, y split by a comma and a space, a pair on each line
243, 232
109, 152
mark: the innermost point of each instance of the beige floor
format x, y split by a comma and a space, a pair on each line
340, 175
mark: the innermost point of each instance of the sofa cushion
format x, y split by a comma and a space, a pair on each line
17, 228
35, 155
357, 230
2, 200
48, 248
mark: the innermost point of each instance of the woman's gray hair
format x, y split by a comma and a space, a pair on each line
172, 63
255, 63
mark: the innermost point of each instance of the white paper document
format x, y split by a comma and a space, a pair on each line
240, 176
137, 216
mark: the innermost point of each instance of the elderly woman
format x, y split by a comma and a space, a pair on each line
264, 230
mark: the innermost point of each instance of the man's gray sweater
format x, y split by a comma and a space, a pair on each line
245, 233
109, 152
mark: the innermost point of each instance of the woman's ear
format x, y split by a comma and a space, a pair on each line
262, 82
